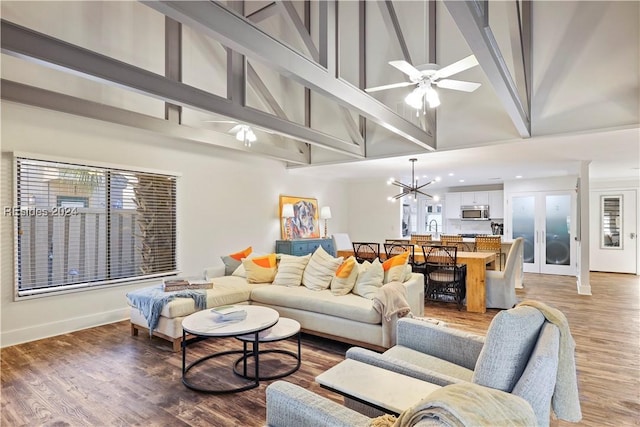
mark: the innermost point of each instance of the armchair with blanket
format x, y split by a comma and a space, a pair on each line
459, 405
528, 352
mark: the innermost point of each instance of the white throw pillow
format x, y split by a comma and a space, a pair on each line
320, 270
369, 279
290, 270
345, 278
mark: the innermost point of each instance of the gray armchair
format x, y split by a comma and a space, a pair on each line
289, 405
501, 285
519, 355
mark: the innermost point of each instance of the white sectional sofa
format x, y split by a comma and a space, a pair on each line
349, 318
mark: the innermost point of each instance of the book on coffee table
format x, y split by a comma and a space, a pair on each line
226, 313
170, 285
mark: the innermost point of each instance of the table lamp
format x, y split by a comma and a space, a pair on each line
287, 212
325, 213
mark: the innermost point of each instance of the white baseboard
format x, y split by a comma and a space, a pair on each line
583, 289
32, 333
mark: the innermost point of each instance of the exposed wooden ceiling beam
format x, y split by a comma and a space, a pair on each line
473, 23
30, 45
42, 98
242, 36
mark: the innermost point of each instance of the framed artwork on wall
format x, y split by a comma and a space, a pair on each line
300, 219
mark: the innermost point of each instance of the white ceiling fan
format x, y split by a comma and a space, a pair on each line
425, 76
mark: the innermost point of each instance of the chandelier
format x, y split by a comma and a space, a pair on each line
411, 190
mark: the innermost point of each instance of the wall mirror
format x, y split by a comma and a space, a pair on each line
610, 222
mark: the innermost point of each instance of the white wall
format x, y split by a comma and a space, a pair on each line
226, 201
372, 218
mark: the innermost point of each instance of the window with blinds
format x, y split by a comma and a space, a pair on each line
80, 226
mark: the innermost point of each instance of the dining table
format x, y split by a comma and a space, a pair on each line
476, 262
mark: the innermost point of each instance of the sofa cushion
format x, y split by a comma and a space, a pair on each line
349, 306
394, 270
510, 340
369, 279
320, 270
260, 269
345, 278
233, 261
290, 269
226, 290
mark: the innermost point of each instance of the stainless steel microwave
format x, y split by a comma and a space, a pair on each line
474, 213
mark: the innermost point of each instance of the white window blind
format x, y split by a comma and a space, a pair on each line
79, 226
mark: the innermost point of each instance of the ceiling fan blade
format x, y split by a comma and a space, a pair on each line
413, 73
456, 67
458, 85
390, 86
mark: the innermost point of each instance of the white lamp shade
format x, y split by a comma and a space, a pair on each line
287, 210
432, 98
414, 99
325, 212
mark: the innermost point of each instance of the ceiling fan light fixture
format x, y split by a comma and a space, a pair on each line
245, 134
414, 99
432, 97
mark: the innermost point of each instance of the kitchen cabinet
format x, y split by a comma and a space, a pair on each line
475, 198
452, 202
303, 246
496, 204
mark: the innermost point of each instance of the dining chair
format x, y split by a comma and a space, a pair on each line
491, 244
445, 280
401, 241
366, 251
453, 240
501, 285
419, 239
393, 249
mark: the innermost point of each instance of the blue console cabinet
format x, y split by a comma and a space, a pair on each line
304, 246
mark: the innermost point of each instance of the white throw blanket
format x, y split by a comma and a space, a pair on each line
566, 399
468, 404
391, 302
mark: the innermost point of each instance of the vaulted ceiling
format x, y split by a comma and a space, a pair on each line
559, 80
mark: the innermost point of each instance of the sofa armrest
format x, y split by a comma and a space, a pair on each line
215, 271
400, 366
289, 405
452, 345
415, 293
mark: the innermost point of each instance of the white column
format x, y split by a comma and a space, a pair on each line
584, 284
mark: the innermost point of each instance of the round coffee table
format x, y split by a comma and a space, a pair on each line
205, 324
284, 329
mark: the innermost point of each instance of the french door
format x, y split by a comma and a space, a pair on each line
613, 234
546, 222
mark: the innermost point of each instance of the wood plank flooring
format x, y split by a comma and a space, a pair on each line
105, 377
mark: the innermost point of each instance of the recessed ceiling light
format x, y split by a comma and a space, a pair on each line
461, 180
518, 176
450, 173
